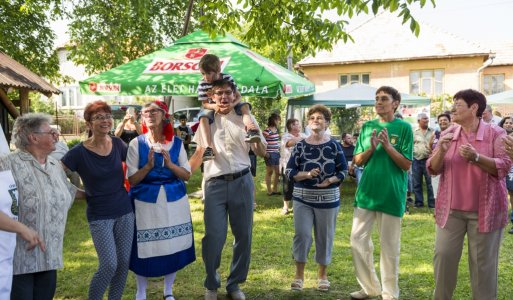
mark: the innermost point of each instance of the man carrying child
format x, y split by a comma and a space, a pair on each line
210, 68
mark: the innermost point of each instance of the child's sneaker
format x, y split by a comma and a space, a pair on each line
209, 154
252, 137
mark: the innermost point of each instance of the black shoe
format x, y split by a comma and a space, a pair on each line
209, 154
419, 205
511, 231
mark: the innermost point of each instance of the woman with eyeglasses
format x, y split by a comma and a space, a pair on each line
157, 168
472, 198
44, 196
98, 161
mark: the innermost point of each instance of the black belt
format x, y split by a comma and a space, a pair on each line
233, 176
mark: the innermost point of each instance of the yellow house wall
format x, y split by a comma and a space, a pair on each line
460, 73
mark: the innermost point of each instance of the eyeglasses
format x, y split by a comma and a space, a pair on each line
226, 92
101, 117
151, 111
53, 132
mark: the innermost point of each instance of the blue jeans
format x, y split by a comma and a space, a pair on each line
419, 170
358, 171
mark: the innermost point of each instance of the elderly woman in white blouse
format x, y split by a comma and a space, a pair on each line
44, 198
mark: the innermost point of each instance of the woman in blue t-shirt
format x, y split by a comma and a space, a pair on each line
109, 212
157, 168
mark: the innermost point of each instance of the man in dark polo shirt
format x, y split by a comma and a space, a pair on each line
346, 139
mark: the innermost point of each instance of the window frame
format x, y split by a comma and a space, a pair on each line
433, 81
491, 90
350, 81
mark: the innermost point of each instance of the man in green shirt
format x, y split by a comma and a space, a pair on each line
385, 147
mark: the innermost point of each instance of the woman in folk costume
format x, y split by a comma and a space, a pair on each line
157, 168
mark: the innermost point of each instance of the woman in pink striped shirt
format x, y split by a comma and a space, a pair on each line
472, 197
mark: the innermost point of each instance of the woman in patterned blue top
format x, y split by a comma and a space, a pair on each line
318, 166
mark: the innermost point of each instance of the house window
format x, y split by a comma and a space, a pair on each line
346, 79
429, 82
493, 84
71, 97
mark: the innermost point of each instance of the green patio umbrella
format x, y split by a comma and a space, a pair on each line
174, 71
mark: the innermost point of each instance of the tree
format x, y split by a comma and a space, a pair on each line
262, 108
441, 103
295, 23
105, 33
27, 36
345, 119
37, 104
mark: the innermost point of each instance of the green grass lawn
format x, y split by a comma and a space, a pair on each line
272, 267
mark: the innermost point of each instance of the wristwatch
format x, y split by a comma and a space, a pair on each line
477, 157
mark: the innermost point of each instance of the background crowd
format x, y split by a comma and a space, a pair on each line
466, 164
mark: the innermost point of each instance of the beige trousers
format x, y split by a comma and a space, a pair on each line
389, 229
483, 257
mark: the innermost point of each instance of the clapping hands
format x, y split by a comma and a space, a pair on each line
445, 142
381, 138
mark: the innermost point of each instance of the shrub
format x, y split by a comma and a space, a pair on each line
72, 143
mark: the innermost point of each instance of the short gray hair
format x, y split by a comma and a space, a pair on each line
421, 115
26, 125
489, 108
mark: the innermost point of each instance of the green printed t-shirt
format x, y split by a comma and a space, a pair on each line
383, 184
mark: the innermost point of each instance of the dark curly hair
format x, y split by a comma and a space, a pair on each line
470, 97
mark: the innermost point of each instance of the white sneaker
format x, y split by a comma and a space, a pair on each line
361, 294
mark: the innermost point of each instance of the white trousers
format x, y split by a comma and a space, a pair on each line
389, 229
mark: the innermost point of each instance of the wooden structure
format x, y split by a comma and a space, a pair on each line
14, 75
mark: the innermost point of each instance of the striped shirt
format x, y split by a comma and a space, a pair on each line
273, 140
204, 88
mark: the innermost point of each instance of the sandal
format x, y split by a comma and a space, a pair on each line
297, 285
323, 285
284, 211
